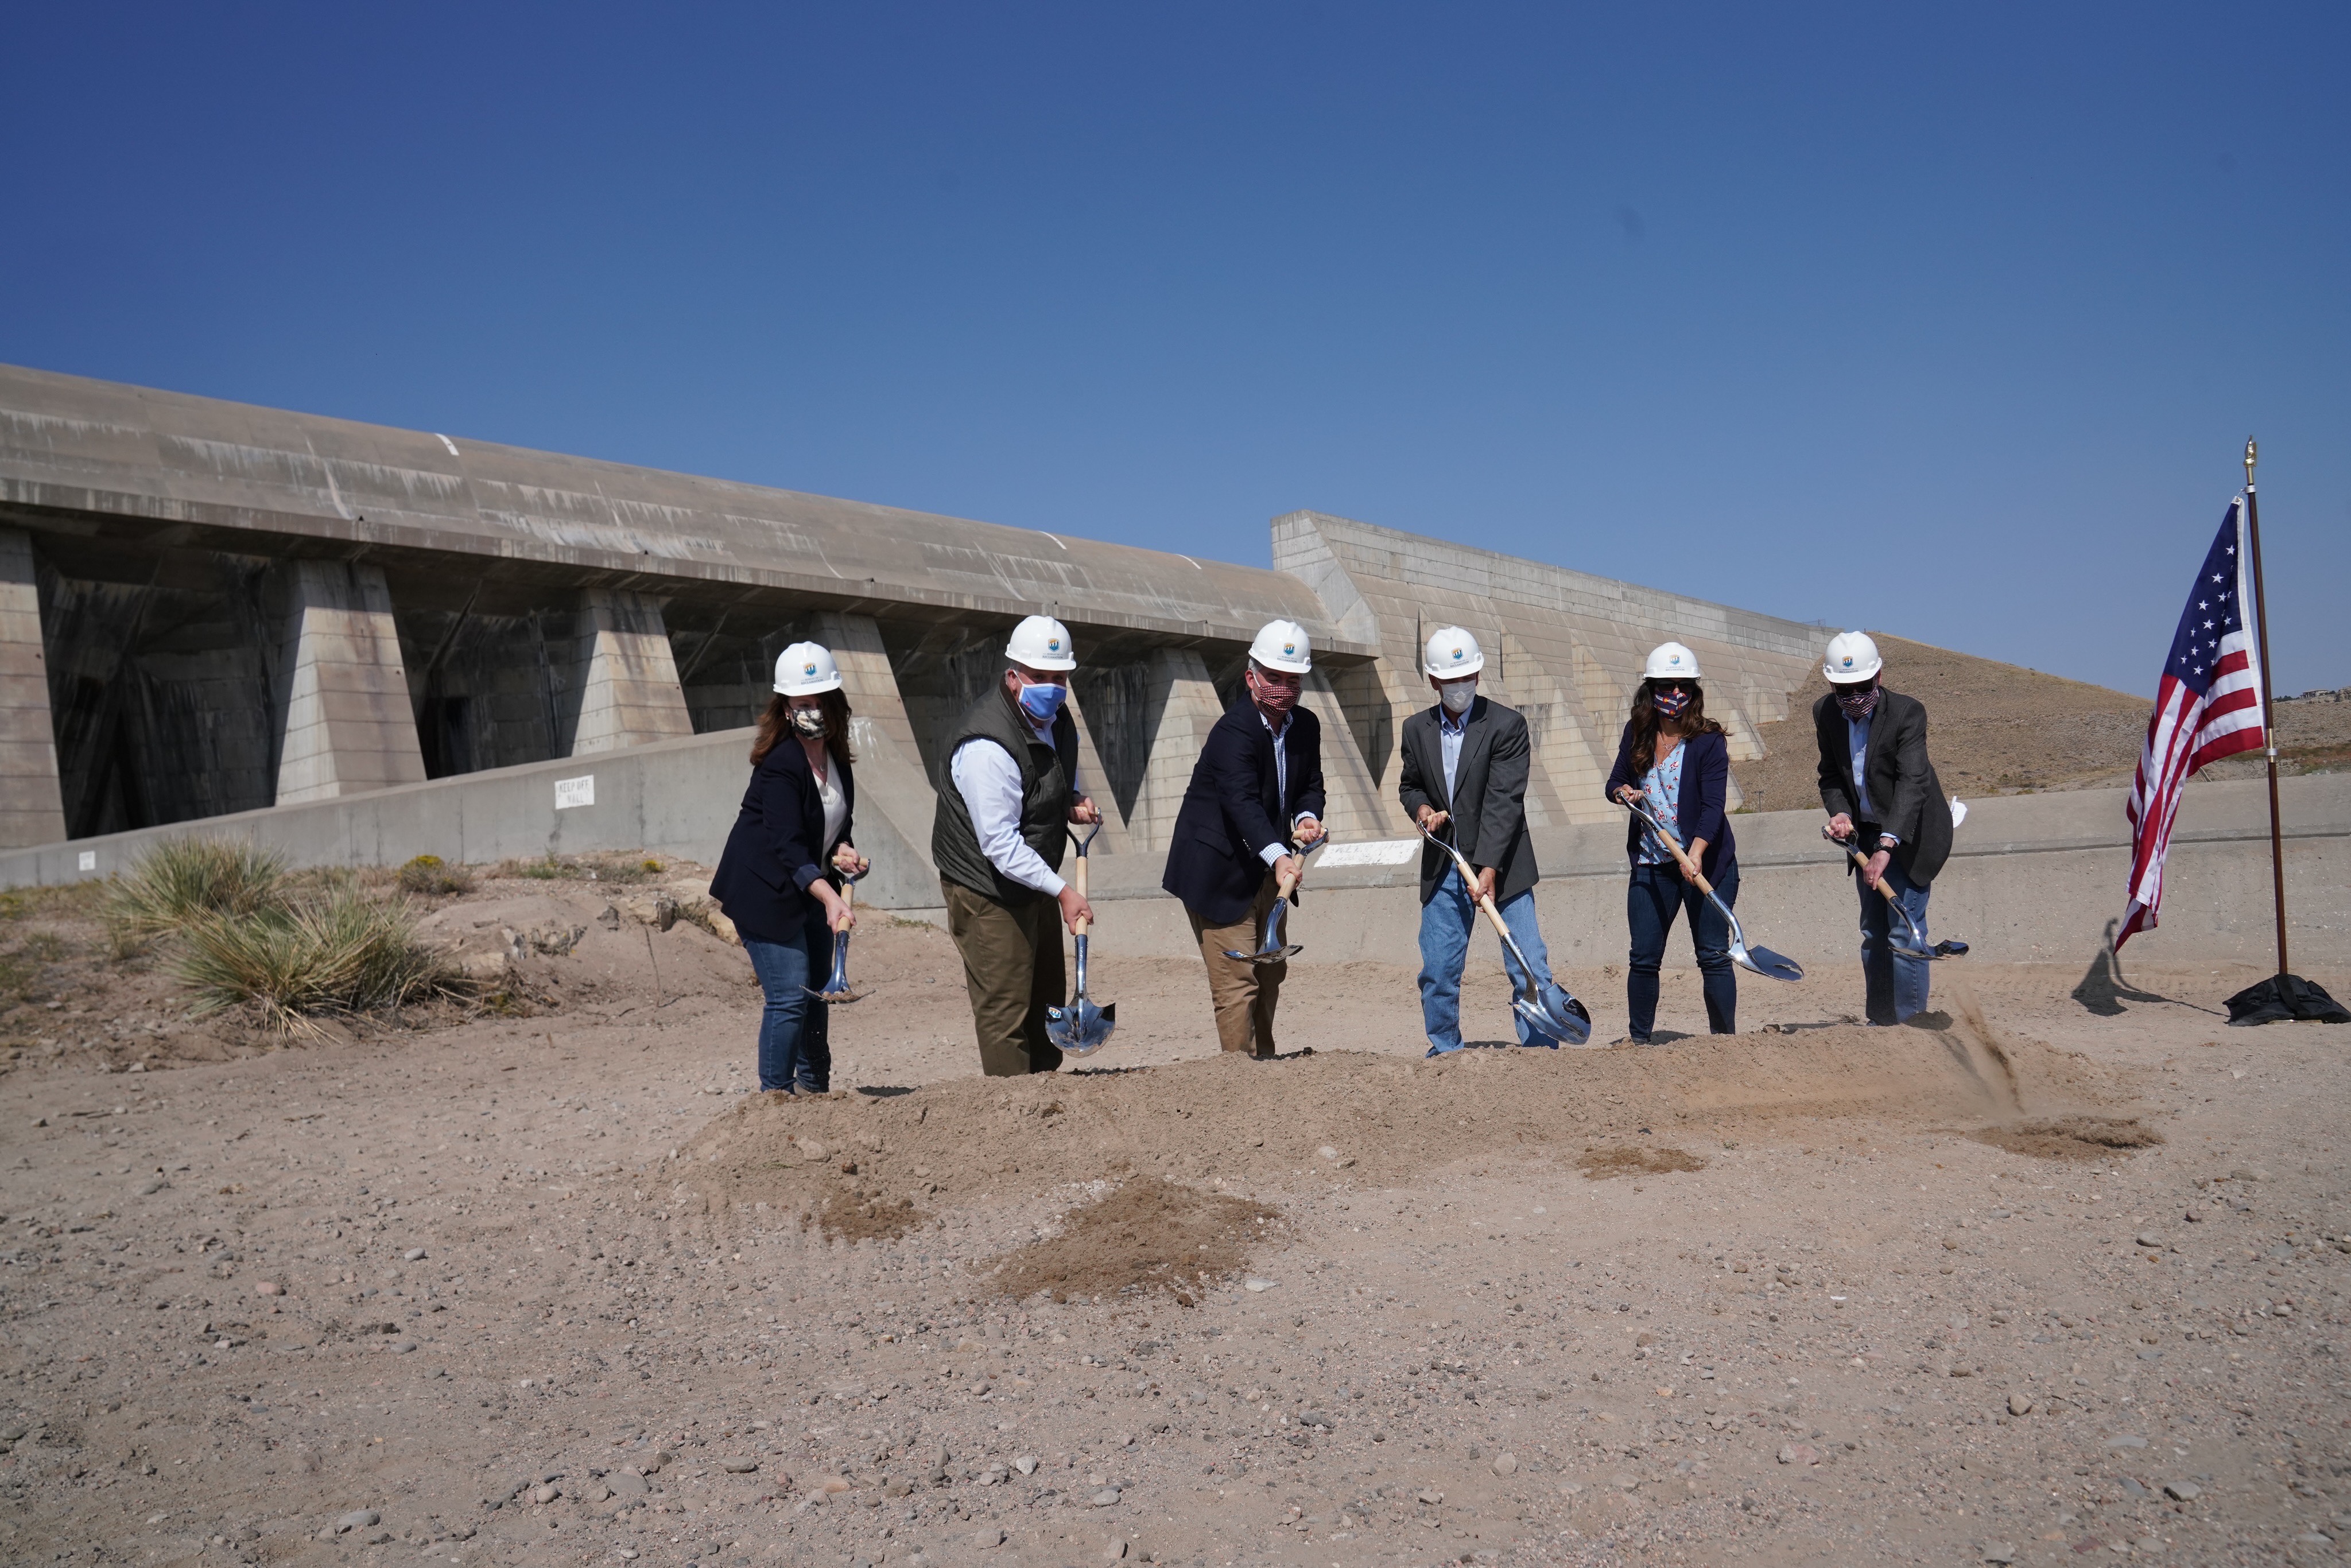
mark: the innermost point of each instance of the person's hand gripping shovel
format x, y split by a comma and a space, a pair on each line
836, 986
1905, 938
1082, 1027
1274, 950
1760, 960
1572, 1028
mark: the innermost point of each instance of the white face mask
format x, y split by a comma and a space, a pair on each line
1458, 695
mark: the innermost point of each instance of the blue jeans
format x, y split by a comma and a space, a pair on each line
795, 1039
1446, 922
1893, 986
1656, 894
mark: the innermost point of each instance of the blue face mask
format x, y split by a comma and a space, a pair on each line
1041, 703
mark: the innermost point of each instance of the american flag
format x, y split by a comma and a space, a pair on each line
2208, 707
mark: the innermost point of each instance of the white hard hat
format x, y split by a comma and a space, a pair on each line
1041, 642
1282, 645
1668, 661
805, 669
1851, 658
1452, 654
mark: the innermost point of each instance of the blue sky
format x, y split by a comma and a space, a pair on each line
1952, 323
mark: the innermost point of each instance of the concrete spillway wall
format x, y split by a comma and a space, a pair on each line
208, 609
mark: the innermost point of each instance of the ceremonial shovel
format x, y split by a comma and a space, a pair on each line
1274, 952
1081, 1028
1574, 1029
1760, 960
836, 988
1906, 939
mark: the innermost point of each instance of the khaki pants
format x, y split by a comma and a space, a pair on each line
1242, 993
1012, 969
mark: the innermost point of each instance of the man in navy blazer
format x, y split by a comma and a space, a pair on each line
1256, 790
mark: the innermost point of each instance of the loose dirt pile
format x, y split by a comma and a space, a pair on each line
2071, 1137
1147, 1235
1599, 1164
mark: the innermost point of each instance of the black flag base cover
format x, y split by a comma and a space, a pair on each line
2286, 997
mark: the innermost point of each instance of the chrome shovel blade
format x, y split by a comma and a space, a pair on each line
1275, 950
1572, 1029
836, 988
1082, 1027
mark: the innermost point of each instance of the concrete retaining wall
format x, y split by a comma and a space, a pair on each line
2034, 878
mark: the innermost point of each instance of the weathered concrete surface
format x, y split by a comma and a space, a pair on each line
31, 810
216, 473
348, 726
629, 693
1564, 647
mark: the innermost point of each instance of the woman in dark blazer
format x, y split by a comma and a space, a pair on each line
780, 878
1676, 762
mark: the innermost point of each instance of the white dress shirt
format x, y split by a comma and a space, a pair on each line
1272, 852
988, 779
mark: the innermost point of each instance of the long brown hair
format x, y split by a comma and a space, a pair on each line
1645, 723
776, 725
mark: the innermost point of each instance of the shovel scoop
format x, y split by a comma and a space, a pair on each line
836, 985
1274, 950
1082, 1027
1572, 1028
1903, 937
1756, 960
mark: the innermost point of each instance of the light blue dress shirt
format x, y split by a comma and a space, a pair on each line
1450, 728
1857, 735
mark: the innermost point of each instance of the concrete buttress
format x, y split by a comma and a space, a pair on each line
628, 693
31, 810
348, 726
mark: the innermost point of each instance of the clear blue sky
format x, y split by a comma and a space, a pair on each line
1950, 324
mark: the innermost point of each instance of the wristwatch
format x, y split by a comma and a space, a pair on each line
1888, 842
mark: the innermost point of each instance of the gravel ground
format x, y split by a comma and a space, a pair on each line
550, 1287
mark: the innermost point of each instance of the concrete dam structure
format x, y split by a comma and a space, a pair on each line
209, 610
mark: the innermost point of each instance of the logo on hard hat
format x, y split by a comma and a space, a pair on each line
1456, 652
1289, 650
808, 669
1673, 658
1848, 661
1053, 645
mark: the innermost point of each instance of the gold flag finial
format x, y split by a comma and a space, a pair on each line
2249, 453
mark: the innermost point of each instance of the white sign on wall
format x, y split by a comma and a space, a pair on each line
570, 792
88, 861
1372, 851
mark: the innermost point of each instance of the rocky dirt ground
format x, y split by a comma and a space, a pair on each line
538, 1282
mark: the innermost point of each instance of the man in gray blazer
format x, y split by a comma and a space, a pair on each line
1883, 798
1465, 772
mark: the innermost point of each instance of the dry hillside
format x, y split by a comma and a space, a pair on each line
2002, 729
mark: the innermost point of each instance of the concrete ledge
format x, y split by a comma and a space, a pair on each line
2033, 878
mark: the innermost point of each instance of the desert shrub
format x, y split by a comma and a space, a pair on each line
182, 878
553, 867
341, 953
431, 875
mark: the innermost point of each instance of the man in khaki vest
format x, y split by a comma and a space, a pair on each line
1012, 786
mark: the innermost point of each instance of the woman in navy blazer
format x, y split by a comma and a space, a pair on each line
1676, 761
780, 878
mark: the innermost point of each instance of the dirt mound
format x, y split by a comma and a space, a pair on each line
861, 1214
1350, 1118
1599, 1164
1148, 1234
2071, 1137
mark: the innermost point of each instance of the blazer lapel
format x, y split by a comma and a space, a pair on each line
1881, 731
1476, 740
1432, 761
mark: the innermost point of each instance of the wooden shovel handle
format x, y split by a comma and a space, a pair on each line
1681, 856
1863, 862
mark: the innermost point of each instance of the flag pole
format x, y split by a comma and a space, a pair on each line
2269, 714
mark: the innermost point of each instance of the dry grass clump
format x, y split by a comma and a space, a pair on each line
552, 867
432, 876
181, 879
344, 953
